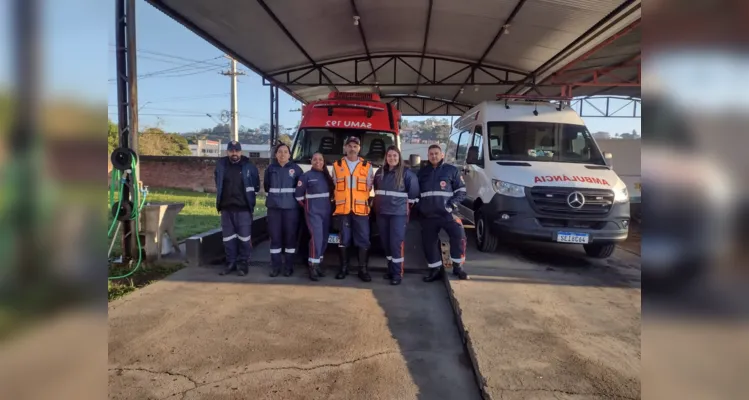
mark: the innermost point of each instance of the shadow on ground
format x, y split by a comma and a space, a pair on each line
197, 334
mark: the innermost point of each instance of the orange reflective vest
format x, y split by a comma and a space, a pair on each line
351, 192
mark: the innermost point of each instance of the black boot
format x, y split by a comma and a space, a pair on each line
313, 276
460, 272
434, 274
243, 268
388, 275
229, 268
344, 263
288, 268
364, 265
275, 271
319, 271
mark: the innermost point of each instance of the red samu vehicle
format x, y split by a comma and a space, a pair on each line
327, 123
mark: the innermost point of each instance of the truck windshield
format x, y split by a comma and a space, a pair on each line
542, 141
330, 141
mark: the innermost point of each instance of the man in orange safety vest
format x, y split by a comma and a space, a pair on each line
352, 178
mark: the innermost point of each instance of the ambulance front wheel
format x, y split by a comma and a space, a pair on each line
485, 239
599, 250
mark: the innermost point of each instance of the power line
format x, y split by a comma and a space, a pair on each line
189, 69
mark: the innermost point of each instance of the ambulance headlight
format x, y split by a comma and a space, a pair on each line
621, 195
508, 189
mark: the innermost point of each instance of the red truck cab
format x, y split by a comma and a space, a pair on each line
327, 123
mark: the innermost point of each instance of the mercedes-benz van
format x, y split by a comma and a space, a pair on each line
533, 171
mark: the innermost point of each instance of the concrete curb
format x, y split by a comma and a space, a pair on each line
207, 248
466, 337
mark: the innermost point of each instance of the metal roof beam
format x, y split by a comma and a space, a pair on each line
424, 46
489, 48
293, 40
364, 40
583, 39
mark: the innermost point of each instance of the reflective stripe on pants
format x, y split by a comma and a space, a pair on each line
236, 229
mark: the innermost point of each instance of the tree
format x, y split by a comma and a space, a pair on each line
285, 139
113, 141
156, 142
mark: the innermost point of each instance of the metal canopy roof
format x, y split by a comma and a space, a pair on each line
430, 57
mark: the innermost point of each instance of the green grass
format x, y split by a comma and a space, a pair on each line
198, 215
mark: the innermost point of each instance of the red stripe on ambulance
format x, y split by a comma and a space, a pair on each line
565, 178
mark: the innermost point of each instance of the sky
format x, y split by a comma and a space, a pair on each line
177, 99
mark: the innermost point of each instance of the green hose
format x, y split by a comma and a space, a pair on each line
135, 214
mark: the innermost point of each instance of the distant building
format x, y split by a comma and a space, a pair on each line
217, 148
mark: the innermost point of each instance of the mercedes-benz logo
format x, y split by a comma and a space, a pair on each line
576, 200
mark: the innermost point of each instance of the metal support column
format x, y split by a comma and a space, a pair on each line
274, 131
127, 105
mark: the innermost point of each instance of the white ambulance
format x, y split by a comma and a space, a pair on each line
533, 171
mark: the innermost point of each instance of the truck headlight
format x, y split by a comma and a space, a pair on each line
621, 195
508, 189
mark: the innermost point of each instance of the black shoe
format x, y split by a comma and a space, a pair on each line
460, 273
243, 269
364, 265
312, 272
230, 267
288, 272
275, 271
344, 263
319, 271
396, 281
434, 275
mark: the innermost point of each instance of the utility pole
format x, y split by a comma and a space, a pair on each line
234, 114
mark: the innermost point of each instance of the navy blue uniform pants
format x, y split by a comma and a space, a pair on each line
283, 227
430, 238
354, 228
319, 228
236, 227
392, 229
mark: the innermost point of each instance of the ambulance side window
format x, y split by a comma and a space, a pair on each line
476, 150
466, 137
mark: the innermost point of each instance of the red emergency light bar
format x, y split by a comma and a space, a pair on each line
331, 106
353, 96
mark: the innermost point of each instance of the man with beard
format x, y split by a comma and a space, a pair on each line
237, 182
352, 178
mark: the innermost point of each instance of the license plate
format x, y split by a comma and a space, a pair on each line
571, 237
334, 238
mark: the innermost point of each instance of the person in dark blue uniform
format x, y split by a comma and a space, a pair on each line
280, 182
314, 192
442, 189
237, 182
396, 190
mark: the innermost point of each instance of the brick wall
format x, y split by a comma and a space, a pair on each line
189, 173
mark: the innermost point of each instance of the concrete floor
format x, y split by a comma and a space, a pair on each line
541, 322
198, 335
545, 322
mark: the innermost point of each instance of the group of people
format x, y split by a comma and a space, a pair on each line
341, 199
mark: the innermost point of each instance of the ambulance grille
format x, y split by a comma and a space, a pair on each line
552, 201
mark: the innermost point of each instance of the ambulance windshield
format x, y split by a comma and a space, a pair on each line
330, 141
543, 141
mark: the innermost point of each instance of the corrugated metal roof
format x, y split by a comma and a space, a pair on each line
309, 48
